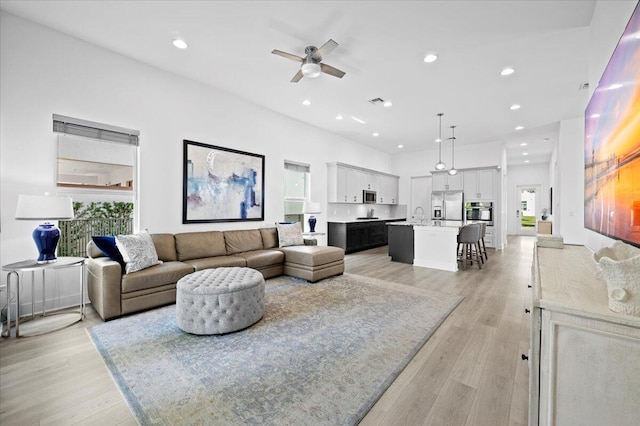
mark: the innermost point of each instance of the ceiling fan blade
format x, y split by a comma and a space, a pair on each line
296, 78
328, 69
287, 55
326, 48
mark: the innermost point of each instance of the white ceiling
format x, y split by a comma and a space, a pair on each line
381, 48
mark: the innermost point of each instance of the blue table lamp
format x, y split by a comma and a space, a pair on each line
45, 208
311, 208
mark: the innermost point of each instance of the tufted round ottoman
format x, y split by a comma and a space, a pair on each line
221, 300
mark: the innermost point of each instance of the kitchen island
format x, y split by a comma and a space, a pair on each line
434, 244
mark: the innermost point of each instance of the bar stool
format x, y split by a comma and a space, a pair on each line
483, 248
468, 245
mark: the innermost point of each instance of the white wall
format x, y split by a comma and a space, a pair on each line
43, 72
528, 174
607, 24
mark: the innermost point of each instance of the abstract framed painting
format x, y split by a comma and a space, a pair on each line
221, 184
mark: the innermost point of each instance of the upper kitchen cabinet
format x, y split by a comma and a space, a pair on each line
443, 181
346, 183
388, 190
480, 184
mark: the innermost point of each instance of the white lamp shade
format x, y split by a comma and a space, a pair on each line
311, 208
44, 207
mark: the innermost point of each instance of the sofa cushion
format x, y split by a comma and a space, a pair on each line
289, 234
312, 255
155, 276
243, 240
137, 251
269, 237
216, 262
198, 245
261, 258
165, 247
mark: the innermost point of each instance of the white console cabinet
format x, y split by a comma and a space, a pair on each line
584, 360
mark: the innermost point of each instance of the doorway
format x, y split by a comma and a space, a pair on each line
528, 203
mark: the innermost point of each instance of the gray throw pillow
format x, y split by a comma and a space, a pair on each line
290, 234
137, 251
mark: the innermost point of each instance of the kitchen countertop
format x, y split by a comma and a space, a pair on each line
380, 219
432, 223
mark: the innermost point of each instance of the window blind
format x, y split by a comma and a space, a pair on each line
90, 129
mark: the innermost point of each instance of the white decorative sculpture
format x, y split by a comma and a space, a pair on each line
620, 268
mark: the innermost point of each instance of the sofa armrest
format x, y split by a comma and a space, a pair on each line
104, 285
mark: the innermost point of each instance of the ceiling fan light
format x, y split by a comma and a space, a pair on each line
310, 70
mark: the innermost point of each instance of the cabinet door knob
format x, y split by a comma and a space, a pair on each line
526, 310
524, 357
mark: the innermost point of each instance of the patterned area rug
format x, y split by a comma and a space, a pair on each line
322, 355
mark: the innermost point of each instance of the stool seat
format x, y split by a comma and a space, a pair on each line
221, 300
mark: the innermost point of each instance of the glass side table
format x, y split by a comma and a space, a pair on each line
45, 323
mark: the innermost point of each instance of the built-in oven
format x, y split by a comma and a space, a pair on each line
479, 211
369, 197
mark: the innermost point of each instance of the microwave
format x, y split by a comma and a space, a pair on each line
369, 197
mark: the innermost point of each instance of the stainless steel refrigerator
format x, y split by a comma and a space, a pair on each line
447, 205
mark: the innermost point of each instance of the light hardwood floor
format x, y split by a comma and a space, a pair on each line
468, 373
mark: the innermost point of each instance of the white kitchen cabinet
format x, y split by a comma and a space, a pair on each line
490, 237
346, 183
355, 185
480, 184
388, 190
443, 181
584, 360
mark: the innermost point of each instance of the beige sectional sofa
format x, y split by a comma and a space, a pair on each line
113, 294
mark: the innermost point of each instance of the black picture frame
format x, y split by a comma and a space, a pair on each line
221, 184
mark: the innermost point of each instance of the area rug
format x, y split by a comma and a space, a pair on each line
322, 355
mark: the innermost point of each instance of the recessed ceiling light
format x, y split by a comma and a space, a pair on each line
431, 57
400, 146
180, 44
614, 86
519, 127
306, 102
507, 71
526, 161
523, 144
594, 116
376, 134
525, 153
387, 103
339, 117
358, 120
514, 107
438, 140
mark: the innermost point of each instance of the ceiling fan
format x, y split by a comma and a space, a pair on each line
312, 64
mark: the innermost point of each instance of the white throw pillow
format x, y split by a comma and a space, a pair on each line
289, 234
138, 251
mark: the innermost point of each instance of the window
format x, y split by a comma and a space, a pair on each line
296, 190
96, 164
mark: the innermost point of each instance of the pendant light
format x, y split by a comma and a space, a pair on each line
440, 165
452, 170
